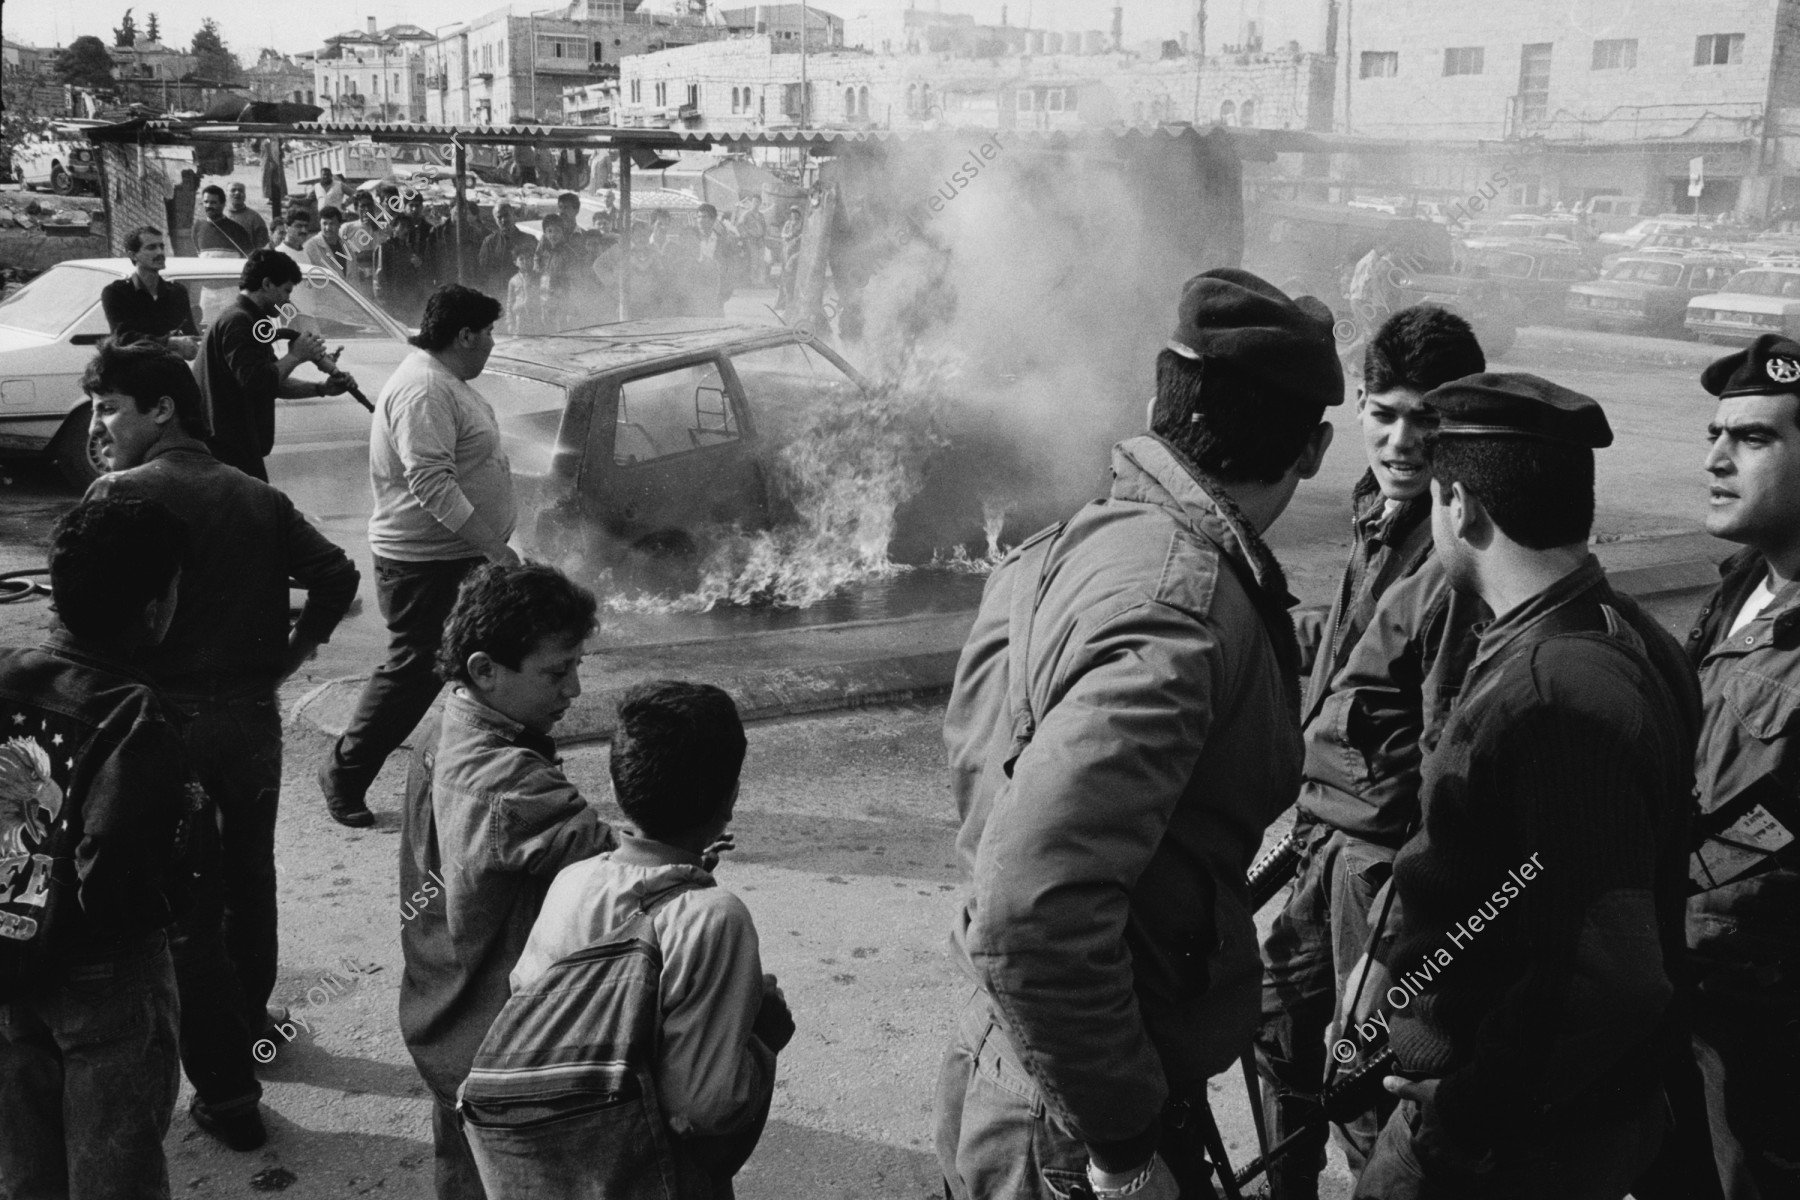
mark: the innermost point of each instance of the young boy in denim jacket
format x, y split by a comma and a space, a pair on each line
496, 823
676, 754
93, 788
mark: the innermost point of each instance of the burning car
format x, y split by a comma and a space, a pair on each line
1648, 293
1754, 302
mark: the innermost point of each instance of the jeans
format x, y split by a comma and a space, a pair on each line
88, 1079
226, 948
996, 1140
415, 600
1308, 962
454, 1171
1747, 1040
1569, 1160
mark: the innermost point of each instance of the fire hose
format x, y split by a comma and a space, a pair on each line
328, 364
23, 585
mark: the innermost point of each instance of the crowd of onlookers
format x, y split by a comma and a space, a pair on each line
395, 247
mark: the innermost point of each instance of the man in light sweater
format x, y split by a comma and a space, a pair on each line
443, 505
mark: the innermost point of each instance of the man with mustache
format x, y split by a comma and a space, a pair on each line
1743, 928
142, 306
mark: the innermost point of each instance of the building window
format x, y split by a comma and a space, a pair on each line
912, 99
849, 104
637, 91
568, 49
734, 100
1228, 113
862, 102
693, 90
1534, 82
1380, 64
1615, 54
1462, 60
662, 95
1053, 100
1024, 101
1718, 49
1247, 113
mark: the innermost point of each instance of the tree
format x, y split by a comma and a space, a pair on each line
153, 34
125, 33
86, 63
213, 60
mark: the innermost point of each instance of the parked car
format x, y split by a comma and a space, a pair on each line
1569, 230
1521, 282
1753, 302
1630, 239
1305, 248
1647, 293
67, 165
49, 327
623, 438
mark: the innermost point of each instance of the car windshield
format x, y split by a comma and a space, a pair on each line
1516, 266
530, 414
54, 300
1764, 283
1660, 274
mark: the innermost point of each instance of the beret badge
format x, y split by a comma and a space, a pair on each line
1783, 370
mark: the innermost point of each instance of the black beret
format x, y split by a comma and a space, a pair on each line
1251, 326
1769, 366
1498, 404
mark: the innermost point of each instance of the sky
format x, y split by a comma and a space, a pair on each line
247, 28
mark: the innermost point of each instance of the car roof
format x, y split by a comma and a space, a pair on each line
622, 345
176, 268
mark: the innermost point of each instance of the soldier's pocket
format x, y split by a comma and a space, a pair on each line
997, 1066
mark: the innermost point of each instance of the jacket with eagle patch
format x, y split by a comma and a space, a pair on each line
90, 760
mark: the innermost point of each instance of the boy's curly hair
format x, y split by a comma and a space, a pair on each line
505, 611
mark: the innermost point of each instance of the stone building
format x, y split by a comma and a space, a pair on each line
824, 31
146, 59
373, 74
513, 65
756, 83
276, 76
1564, 102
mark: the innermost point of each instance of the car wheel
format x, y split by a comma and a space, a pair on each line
77, 451
61, 182
666, 562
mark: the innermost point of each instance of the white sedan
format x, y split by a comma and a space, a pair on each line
49, 327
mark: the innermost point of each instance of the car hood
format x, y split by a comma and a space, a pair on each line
19, 339
1739, 302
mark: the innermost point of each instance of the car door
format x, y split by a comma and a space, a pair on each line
676, 455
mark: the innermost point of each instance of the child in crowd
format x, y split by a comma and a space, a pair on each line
524, 305
93, 787
496, 822
676, 754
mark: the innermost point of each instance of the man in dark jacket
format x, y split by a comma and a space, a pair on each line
240, 373
143, 305
1529, 991
1359, 798
227, 650
1744, 927
500, 249
1123, 726
92, 781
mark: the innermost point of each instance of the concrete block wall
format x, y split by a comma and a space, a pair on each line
1664, 95
136, 192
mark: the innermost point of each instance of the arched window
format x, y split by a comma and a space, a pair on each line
1228, 113
849, 103
862, 103
1247, 113
925, 101
912, 99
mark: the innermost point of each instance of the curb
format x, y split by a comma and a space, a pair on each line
1534, 340
867, 679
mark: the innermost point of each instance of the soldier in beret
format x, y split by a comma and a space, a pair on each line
1124, 724
1528, 989
1744, 926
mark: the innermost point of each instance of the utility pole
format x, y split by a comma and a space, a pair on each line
1349, 64
804, 89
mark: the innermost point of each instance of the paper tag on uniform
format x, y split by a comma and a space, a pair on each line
1743, 844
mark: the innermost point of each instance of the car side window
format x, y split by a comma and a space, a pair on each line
332, 312
673, 412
